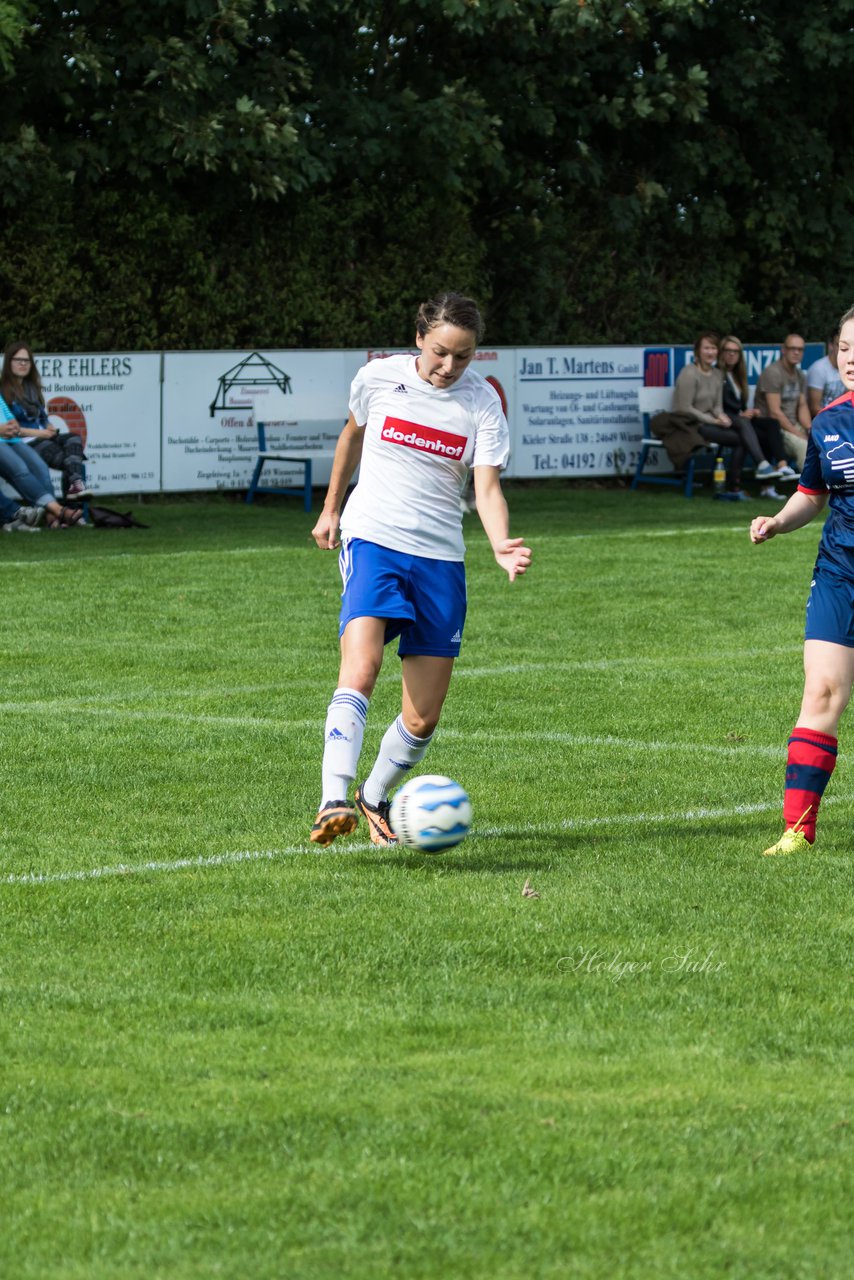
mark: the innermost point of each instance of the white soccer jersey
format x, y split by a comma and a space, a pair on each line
420, 441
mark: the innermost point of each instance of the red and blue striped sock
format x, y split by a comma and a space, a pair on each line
811, 761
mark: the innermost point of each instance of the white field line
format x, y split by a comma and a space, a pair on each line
695, 531
74, 702
105, 704
139, 868
610, 740
477, 735
203, 861
633, 662
178, 717
142, 554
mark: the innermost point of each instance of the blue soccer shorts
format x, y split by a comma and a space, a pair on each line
830, 607
422, 600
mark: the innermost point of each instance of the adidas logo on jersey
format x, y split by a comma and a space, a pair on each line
456, 638
400, 387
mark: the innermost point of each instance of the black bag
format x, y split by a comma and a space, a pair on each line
104, 518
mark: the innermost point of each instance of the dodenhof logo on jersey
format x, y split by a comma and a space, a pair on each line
425, 439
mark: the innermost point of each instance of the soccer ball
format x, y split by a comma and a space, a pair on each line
430, 813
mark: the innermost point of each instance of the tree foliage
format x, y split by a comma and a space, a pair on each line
195, 173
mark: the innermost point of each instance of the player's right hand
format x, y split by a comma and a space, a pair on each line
325, 532
513, 557
762, 528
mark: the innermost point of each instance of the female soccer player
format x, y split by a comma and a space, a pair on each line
416, 425
829, 636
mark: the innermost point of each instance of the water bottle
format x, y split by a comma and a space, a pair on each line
719, 475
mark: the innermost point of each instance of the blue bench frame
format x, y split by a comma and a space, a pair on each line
280, 455
685, 482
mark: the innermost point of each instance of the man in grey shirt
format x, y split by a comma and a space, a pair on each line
823, 381
781, 394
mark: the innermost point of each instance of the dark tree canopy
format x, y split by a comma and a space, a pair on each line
221, 173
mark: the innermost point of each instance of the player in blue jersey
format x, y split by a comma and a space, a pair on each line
417, 425
829, 637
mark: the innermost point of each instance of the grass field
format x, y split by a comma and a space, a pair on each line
226, 1054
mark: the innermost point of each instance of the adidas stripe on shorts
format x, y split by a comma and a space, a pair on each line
423, 600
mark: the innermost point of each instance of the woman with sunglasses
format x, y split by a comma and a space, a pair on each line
733, 366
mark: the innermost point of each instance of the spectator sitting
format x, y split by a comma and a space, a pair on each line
781, 394
26, 472
823, 381
698, 400
18, 519
21, 388
732, 365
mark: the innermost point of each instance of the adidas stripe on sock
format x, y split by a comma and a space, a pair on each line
345, 729
399, 751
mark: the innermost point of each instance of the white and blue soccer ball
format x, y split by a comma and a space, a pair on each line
430, 813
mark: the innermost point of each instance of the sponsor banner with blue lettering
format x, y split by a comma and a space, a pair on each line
183, 421
112, 401
576, 411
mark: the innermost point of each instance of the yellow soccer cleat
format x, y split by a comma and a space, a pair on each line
791, 841
377, 817
337, 818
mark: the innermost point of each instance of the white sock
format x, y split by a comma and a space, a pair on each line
399, 751
345, 728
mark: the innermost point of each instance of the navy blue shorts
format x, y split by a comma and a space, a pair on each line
830, 607
422, 600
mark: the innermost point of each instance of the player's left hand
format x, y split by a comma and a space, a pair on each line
513, 557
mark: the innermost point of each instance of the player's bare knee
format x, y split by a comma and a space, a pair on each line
420, 725
361, 676
839, 699
824, 696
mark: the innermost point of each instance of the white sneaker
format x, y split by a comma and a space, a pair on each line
766, 472
30, 515
787, 473
770, 492
20, 526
